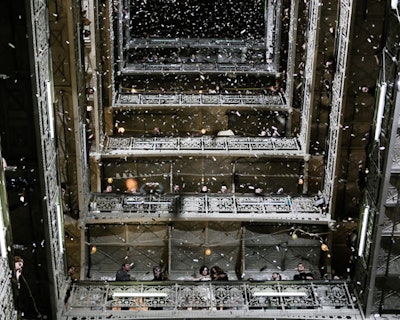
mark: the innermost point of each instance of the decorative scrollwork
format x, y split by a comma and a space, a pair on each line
118, 207
179, 299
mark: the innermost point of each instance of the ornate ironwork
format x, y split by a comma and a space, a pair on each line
279, 300
147, 68
122, 147
111, 208
275, 102
139, 43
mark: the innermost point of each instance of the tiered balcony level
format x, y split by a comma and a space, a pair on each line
124, 208
246, 300
158, 57
115, 147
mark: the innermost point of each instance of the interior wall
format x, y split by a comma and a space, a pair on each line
172, 122
181, 248
241, 175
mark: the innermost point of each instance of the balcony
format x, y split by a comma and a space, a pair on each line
128, 100
117, 147
183, 68
140, 43
125, 208
235, 299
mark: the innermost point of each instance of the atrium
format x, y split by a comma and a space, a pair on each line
183, 135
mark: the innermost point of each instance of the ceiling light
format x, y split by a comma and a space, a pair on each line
121, 130
93, 250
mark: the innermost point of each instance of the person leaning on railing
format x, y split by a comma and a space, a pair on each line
217, 274
204, 274
302, 275
158, 274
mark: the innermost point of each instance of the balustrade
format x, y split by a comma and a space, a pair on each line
277, 102
116, 208
279, 300
155, 146
139, 43
140, 68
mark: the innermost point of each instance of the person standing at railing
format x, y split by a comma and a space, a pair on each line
276, 276
123, 273
302, 274
71, 279
158, 274
156, 132
217, 274
204, 274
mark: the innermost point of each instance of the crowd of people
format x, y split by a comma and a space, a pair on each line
214, 273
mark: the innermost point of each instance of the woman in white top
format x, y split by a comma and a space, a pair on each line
204, 274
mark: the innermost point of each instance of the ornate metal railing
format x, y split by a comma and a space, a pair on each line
116, 208
206, 100
120, 146
206, 43
279, 300
140, 68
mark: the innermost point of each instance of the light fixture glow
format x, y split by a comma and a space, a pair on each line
121, 130
93, 249
363, 237
50, 111
84, 144
381, 109
60, 228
